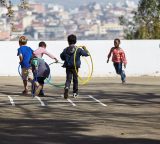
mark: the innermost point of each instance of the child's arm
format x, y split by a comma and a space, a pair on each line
20, 58
85, 52
50, 55
62, 55
20, 55
123, 59
109, 55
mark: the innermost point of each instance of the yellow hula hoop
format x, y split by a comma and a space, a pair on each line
90, 71
80, 77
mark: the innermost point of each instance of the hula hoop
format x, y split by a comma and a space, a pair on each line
19, 71
90, 72
51, 82
48, 80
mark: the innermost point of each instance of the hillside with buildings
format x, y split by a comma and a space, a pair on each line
52, 21
76, 3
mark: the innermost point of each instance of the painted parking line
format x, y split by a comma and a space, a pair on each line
69, 100
11, 100
39, 99
97, 100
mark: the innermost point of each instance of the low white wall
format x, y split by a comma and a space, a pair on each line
143, 57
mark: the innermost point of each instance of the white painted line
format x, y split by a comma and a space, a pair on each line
42, 103
61, 101
84, 97
11, 100
13, 93
97, 100
73, 104
3, 95
83, 101
7, 95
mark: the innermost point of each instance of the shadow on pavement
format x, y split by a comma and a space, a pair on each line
48, 131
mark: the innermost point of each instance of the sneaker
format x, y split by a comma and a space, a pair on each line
66, 93
75, 95
124, 82
25, 92
41, 93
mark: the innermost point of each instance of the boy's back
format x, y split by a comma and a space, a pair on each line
43, 68
71, 57
68, 56
26, 53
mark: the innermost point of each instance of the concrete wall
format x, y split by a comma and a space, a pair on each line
143, 57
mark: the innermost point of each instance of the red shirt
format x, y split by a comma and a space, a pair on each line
118, 55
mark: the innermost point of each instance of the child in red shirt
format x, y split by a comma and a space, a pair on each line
118, 57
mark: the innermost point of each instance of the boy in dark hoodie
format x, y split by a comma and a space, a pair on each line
71, 69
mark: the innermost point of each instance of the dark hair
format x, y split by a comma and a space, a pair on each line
42, 44
117, 39
72, 39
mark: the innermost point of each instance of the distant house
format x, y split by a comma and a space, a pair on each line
71, 28
55, 32
4, 35
38, 8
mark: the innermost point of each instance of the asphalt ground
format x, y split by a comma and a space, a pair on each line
106, 112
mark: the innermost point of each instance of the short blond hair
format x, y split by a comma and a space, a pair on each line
23, 40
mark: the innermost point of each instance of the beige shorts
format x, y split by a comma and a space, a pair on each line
27, 73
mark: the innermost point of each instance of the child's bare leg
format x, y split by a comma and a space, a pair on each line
25, 85
36, 84
42, 86
38, 90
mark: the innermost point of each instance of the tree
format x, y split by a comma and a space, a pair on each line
145, 23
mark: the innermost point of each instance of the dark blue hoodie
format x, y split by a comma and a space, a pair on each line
68, 56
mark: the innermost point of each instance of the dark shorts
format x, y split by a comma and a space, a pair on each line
41, 80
